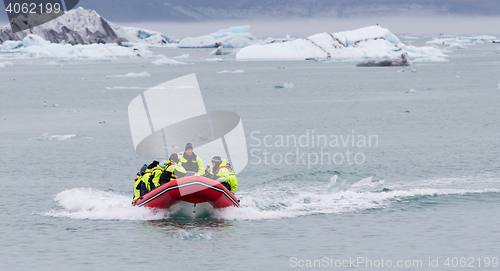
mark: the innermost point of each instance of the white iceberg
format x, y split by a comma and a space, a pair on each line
132, 74
431, 59
46, 137
285, 85
167, 61
33, 46
373, 42
6, 64
236, 71
84, 26
183, 56
214, 59
460, 42
233, 37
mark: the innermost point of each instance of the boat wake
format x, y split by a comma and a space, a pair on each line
279, 199
87, 203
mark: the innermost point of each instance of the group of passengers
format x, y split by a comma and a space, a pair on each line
157, 173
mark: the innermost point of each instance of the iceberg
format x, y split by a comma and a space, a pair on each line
236, 71
84, 26
47, 137
460, 42
167, 61
6, 64
431, 59
233, 37
372, 42
132, 74
33, 46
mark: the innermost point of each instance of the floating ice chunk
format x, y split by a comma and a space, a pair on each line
455, 42
6, 64
167, 61
45, 136
407, 70
431, 59
373, 42
236, 71
31, 40
285, 85
407, 37
184, 56
411, 91
233, 37
214, 59
11, 44
499, 86
132, 74
34, 46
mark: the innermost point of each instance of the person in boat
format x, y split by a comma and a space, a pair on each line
172, 170
146, 178
139, 186
190, 161
154, 178
222, 172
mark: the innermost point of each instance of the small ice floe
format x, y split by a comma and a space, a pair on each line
53, 63
6, 64
4, 118
102, 122
411, 91
214, 59
285, 85
499, 86
431, 59
407, 70
55, 105
183, 56
46, 136
236, 71
44, 103
132, 74
167, 61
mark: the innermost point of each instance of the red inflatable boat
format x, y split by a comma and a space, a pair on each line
193, 195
